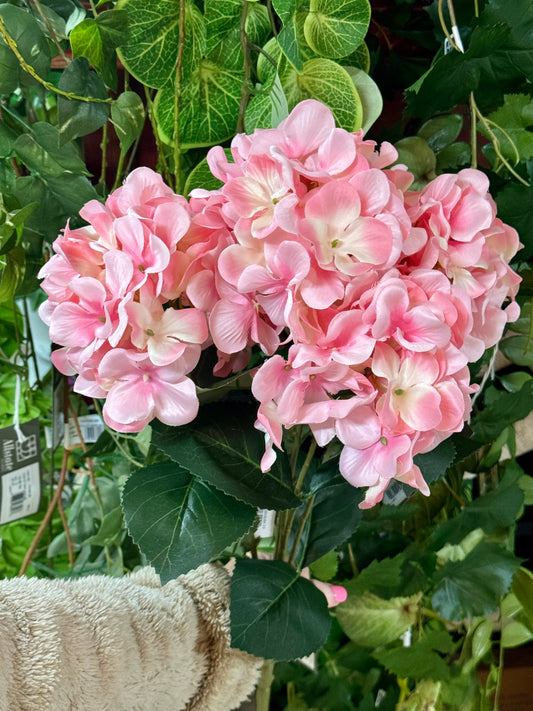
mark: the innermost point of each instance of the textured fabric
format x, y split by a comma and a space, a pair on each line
121, 644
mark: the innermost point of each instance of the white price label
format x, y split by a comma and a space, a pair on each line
91, 427
21, 493
265, 529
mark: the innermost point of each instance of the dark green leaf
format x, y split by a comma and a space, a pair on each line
30, 42
221, 16
79, 118
72, 193
41, 153
505, 410
222, 447
519, 350
497, 509
202, 177
379, 574
275, 613
113, 26
335, 29
421, 660
475, 585
334, 517
289, 42
453, 157
127, 114
515, 207
433, 465
178, 521
440, 131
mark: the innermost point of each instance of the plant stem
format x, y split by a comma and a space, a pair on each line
177, 96
473, 132
103, 149
245, 89
47, 85
264, 686
51, 30
301, 526
120, 169
305, 467
500, 670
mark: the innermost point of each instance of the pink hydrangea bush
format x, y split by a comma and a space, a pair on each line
380, 296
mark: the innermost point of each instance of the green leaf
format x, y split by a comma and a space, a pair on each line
377, 576
334, 517
30, 42
453, 157
179, 521
275, 613
475, 585
40, 152
335, 29
127, 114
202, 177
326, 81
7, 138
325, 568
515, 207
72, 192
441, 131
371, 621
523, 589
222, 447
506, 409
498, 52
151, 51
97, 38
370, 95
434, 464
497, 509
113, 26
221, 16
110, 529
515, 634
12, 266
208, 108
79, 118
289, 42
514, 118
267, 110
421, 660
518, 349
284, 9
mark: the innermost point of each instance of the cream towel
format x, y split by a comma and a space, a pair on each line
121, 644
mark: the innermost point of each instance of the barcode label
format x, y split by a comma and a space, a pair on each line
265, 528
394, 494
91, 427
21, 493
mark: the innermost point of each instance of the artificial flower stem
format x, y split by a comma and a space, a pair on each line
301, 526
264, 686
305, 468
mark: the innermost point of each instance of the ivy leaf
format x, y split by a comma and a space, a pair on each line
151, 52
275, 613
79, 118
40, 152
97, 38
371, 621
326, 81
208, 108
497, 509
474, 586
335, 29
506, 409
222, 447
127, 114
334, 517
421, 660
179, 521
31, 43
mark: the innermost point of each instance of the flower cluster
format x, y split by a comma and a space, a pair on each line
377, 296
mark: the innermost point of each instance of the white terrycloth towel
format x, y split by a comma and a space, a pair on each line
121, 644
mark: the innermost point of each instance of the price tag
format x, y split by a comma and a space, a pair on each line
265, 528
91, 427
20, 472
